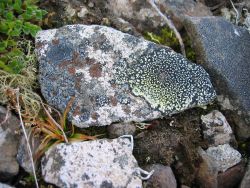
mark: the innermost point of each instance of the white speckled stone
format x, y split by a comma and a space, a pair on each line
92, 164
224, 155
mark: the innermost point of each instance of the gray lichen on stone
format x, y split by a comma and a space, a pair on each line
91, 164
115, 76
166, 80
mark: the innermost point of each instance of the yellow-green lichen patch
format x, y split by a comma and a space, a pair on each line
167, 80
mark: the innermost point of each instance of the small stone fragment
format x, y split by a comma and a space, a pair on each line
70, 12
216, 129
91, 4
92, 164
163, 177
8, 144
118, 129
232, 177
82, 12
224, 155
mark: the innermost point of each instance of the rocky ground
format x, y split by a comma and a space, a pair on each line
160, 119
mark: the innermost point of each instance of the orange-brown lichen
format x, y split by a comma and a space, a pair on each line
113, 101
95, 115
55, 41
95, 70
71, 70
76, 111
126, 109
89, 61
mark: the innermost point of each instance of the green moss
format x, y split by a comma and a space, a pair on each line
167, 37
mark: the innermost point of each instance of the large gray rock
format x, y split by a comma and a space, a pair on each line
9, 126
224, 50
92, 164
115, 76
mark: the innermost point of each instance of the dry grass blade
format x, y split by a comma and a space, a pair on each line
66, 111
25, 135
55, 132
56, 124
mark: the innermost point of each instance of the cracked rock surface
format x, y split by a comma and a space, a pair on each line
115, 76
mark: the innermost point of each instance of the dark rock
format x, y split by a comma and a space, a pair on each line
118, 129
9, 139
223, 49
23, 157
163, 177
214, 3
246, 179
207, 173
116, 77
232, 177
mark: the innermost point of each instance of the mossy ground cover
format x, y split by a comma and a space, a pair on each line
166, 37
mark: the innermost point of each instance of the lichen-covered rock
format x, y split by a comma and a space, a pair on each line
8, 144
216, 129
115, 76
224, 156
92, 164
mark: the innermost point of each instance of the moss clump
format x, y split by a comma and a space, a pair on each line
20, 21
167, 37
26, 82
